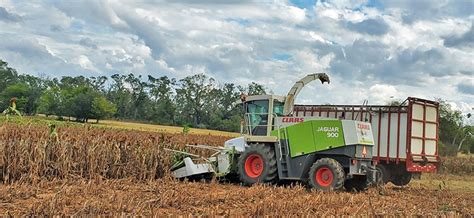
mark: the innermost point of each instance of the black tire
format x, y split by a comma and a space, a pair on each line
329, 168
383, 175
402, 179
268, 163
356, 184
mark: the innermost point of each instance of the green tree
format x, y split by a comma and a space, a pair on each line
19, 91
120, 96
161, 91
78, 102
51, 102
102, 108
256, 89
193, 97
454, 134
8, 76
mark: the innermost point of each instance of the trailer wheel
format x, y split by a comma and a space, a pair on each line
356, 184
326, 174
402, 179
257, 164
383, 174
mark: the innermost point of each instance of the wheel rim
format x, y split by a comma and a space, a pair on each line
324, 176
254, 165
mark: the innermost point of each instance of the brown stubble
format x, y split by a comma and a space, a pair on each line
97, 171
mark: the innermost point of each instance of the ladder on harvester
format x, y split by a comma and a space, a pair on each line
283, 156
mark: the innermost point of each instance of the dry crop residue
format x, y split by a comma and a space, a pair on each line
160, 197
94, 171
30, 152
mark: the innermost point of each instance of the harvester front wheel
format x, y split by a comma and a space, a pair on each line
326, 174
257, 164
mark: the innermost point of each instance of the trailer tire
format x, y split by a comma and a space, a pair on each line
257, 164
402, 179
356, 184
326, 174
383, 174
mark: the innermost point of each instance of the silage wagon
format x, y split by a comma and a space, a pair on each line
406, 136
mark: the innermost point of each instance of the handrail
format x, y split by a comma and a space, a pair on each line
249, 125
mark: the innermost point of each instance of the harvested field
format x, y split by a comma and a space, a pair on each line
127, 197
97, 171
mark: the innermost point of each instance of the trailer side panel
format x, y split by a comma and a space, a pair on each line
407, 134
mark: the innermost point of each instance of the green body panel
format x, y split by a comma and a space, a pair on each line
301, 139
312, 136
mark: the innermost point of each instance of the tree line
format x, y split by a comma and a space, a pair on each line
194, 101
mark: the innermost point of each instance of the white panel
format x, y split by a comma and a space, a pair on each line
430, 131
417, 129
375, 129
417, 112
431, 114
393, 135
383, 135
331, 114
416, 146
430, 147
349, 115
403, 136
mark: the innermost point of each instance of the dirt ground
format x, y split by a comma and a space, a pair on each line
428, 196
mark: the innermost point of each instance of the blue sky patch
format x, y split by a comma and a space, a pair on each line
281, 56
303, 3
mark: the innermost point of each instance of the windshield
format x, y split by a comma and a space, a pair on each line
257, 115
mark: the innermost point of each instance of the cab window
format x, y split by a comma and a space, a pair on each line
257, 115
278, 108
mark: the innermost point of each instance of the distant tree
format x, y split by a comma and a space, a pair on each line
193, 98
256, 89
453, 132
140, 101
78, 103
8, 76
227, 114
26, 97
51, 102
161, 91
102, 108
98, 83
120, 95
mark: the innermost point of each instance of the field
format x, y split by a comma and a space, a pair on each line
86, 170
145, 127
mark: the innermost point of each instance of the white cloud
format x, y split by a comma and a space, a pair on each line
271, 42
85, 63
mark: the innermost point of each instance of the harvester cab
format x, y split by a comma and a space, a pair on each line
327, 154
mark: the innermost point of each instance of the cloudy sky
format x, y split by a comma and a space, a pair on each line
377, 50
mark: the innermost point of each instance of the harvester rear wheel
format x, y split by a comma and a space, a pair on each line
326, 174
257, 164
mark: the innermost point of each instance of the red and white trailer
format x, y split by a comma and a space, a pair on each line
406, 137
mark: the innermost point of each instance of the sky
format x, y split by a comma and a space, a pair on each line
373, 50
